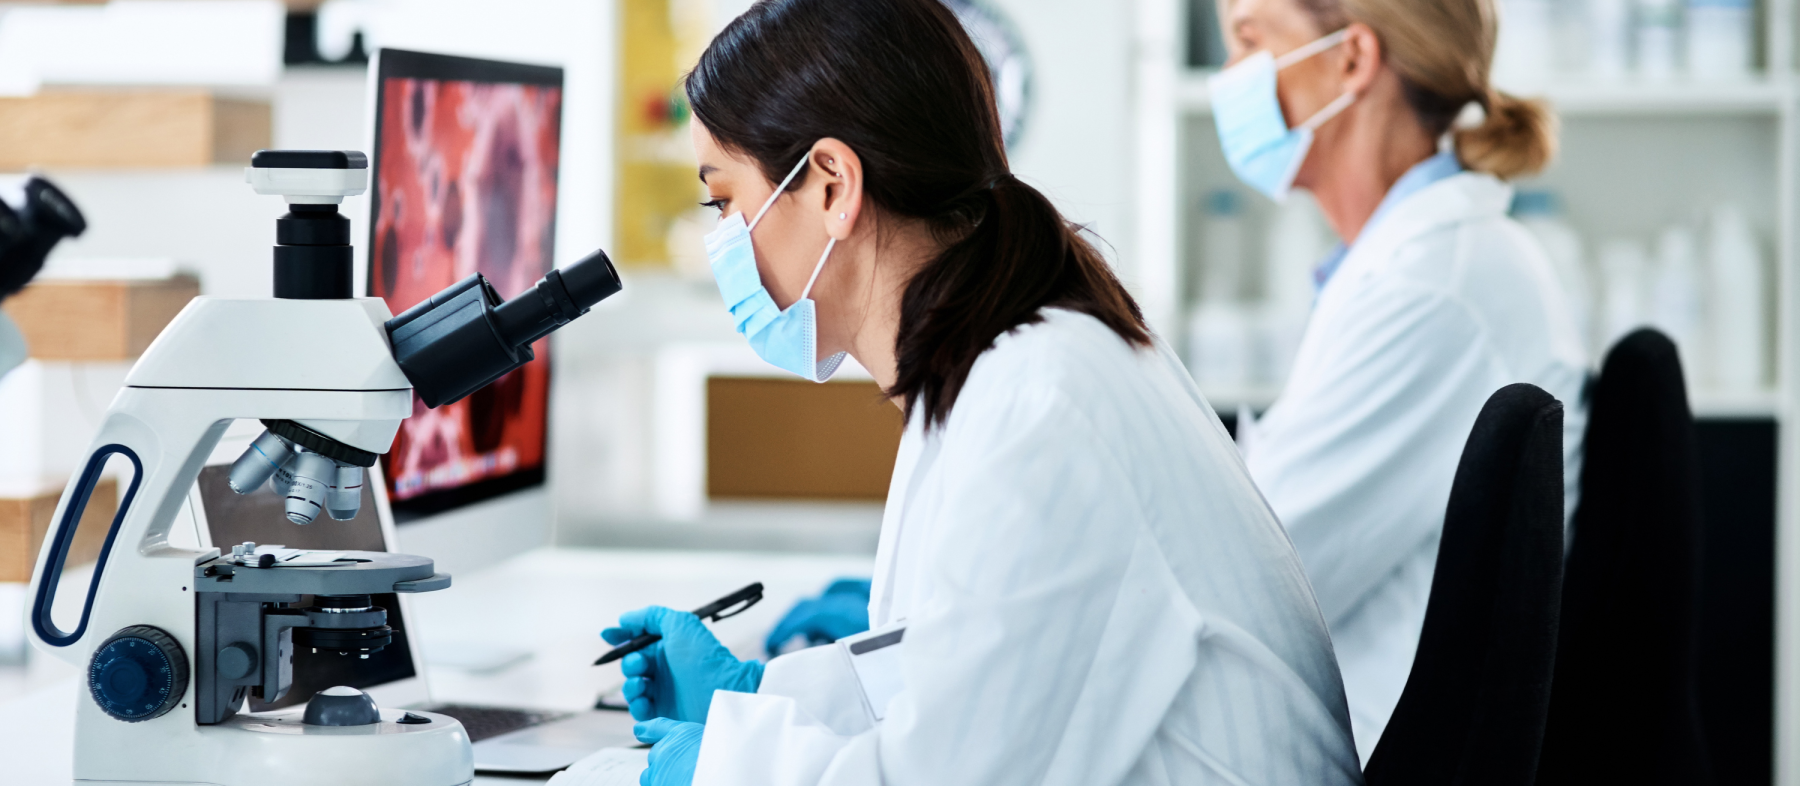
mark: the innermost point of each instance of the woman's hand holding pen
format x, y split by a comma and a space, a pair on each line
675, 677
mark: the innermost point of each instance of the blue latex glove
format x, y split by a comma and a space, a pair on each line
842, 610
676, 677
675, 749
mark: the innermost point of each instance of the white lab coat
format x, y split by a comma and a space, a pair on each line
1438, 305
1093, 591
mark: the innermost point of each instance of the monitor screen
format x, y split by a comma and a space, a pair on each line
464, 182
259, 517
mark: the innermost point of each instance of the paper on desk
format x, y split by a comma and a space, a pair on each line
605, 767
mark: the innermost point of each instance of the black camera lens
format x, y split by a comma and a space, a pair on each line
29, 230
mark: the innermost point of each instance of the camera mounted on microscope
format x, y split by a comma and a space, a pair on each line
313, 256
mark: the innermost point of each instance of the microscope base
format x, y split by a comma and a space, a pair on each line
251, 750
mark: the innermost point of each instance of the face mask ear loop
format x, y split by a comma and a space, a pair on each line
1330, 111
1311, 49
816, 268
778, 191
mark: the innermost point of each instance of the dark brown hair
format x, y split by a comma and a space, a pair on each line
900, 82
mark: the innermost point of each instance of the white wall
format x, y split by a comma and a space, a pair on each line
1077, 145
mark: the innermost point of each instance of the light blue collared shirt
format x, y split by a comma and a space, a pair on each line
1422, 174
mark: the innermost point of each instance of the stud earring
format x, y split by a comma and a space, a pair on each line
843, 216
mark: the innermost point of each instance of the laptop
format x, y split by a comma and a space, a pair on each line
507, 739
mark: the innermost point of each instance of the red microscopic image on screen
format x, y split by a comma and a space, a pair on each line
466, 183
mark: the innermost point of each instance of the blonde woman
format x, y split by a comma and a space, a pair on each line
1435, 299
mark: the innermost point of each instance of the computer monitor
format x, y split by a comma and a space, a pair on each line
464, 180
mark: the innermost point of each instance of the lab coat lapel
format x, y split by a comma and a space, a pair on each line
1458, 198
918, 448
1455, 199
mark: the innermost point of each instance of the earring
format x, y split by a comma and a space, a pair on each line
843, 216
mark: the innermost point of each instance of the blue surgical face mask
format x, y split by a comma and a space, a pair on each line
789, 339
1261, 149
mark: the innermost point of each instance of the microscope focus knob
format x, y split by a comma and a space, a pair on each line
139, 673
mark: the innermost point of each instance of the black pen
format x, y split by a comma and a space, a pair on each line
714, 610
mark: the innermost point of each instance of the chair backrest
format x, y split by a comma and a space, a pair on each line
1625, 708
1473, 708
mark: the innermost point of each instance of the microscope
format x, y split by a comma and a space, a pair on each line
174, 640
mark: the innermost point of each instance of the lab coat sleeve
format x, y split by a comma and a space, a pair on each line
822, 684
1024, 594
1358, 456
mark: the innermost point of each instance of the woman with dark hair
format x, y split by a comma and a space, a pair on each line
1076, 581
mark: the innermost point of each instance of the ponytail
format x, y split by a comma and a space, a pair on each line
1517, 137
1020, 257
901, 83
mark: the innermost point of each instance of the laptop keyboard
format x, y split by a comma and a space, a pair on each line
484, 722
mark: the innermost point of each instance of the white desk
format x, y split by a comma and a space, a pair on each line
551, 603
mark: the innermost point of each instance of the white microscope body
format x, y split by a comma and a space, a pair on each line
325, 363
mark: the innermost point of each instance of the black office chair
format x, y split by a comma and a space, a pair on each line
1625, 708
1473, 708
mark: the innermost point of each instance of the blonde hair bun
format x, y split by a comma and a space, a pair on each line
1518, 137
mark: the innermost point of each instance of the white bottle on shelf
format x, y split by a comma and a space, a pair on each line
1221, 344
1541, 213
1623, 266
1658, 38
1676, 305
1222, 254
1720, 38
1298, 240
1609, 43
1739, 303
1572, 37
1526, 52
1220, 340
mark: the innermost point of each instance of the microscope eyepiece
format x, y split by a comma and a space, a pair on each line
30, 229
465, 337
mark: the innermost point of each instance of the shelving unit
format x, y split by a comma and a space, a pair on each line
1636, 156
1590, 98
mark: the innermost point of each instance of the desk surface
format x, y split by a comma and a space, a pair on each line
546, 607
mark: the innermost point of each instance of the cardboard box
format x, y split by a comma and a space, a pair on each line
25, 517
97, 320
131, 128
775, 438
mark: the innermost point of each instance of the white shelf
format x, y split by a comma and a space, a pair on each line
1717, 404
1586, 97
1577, 97
1225, 399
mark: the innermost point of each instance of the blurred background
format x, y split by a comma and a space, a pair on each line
1672, 203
